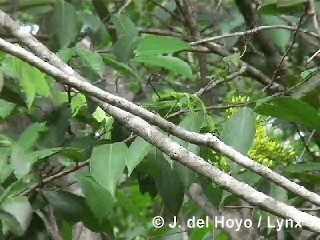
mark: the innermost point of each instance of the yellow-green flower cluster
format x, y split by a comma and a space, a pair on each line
269, 151
266, 149
236, 100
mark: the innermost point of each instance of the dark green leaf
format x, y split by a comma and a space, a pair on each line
192, 122
93, 60
212, 191
278, 192
65, 23
118, 66
288, 3
123, 49
66, 205
124, 26
306, 167
168, 182
290, 109
99, 199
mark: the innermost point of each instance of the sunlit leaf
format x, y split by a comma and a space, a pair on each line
173, 64
150, 45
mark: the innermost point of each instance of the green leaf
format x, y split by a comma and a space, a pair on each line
192, 122
20, 208
288, 3
124, 47
280, 37
239, 130
66, 54
278, 192
124, 26
168, 183
233, 60
66, 205
1, 80
136, 153
31, 79
152, 45
309, 83
28, 87
20, 161
77, 102
31, 135
5, 166
212, 191
128, 38
6, 108
118, 66
100, 115
290, 109
305, 167
107, 163
173, 64
65, 23
93, 60
74, 209
249, 178
99, 199
9, 223
12, 190
44, 153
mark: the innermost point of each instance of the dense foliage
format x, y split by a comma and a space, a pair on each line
69, 170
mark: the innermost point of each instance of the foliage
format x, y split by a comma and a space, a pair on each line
145, 53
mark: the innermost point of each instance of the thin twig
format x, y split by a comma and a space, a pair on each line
173, 14
47, 180
124, 6
276, 72
213, 83
257, 29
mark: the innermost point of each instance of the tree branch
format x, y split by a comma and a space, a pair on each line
206, 140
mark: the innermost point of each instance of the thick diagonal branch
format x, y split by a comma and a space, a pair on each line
66, 75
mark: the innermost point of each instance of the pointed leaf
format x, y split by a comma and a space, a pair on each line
20, 208
65, 23
160, 45
5, 108
93, 60
107, 163
66, 205
239, 130
290, 109
173, 64
137, 151
20, 161
99, 199
124, 26
118, 66
192, 122
77, 102
31, 135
